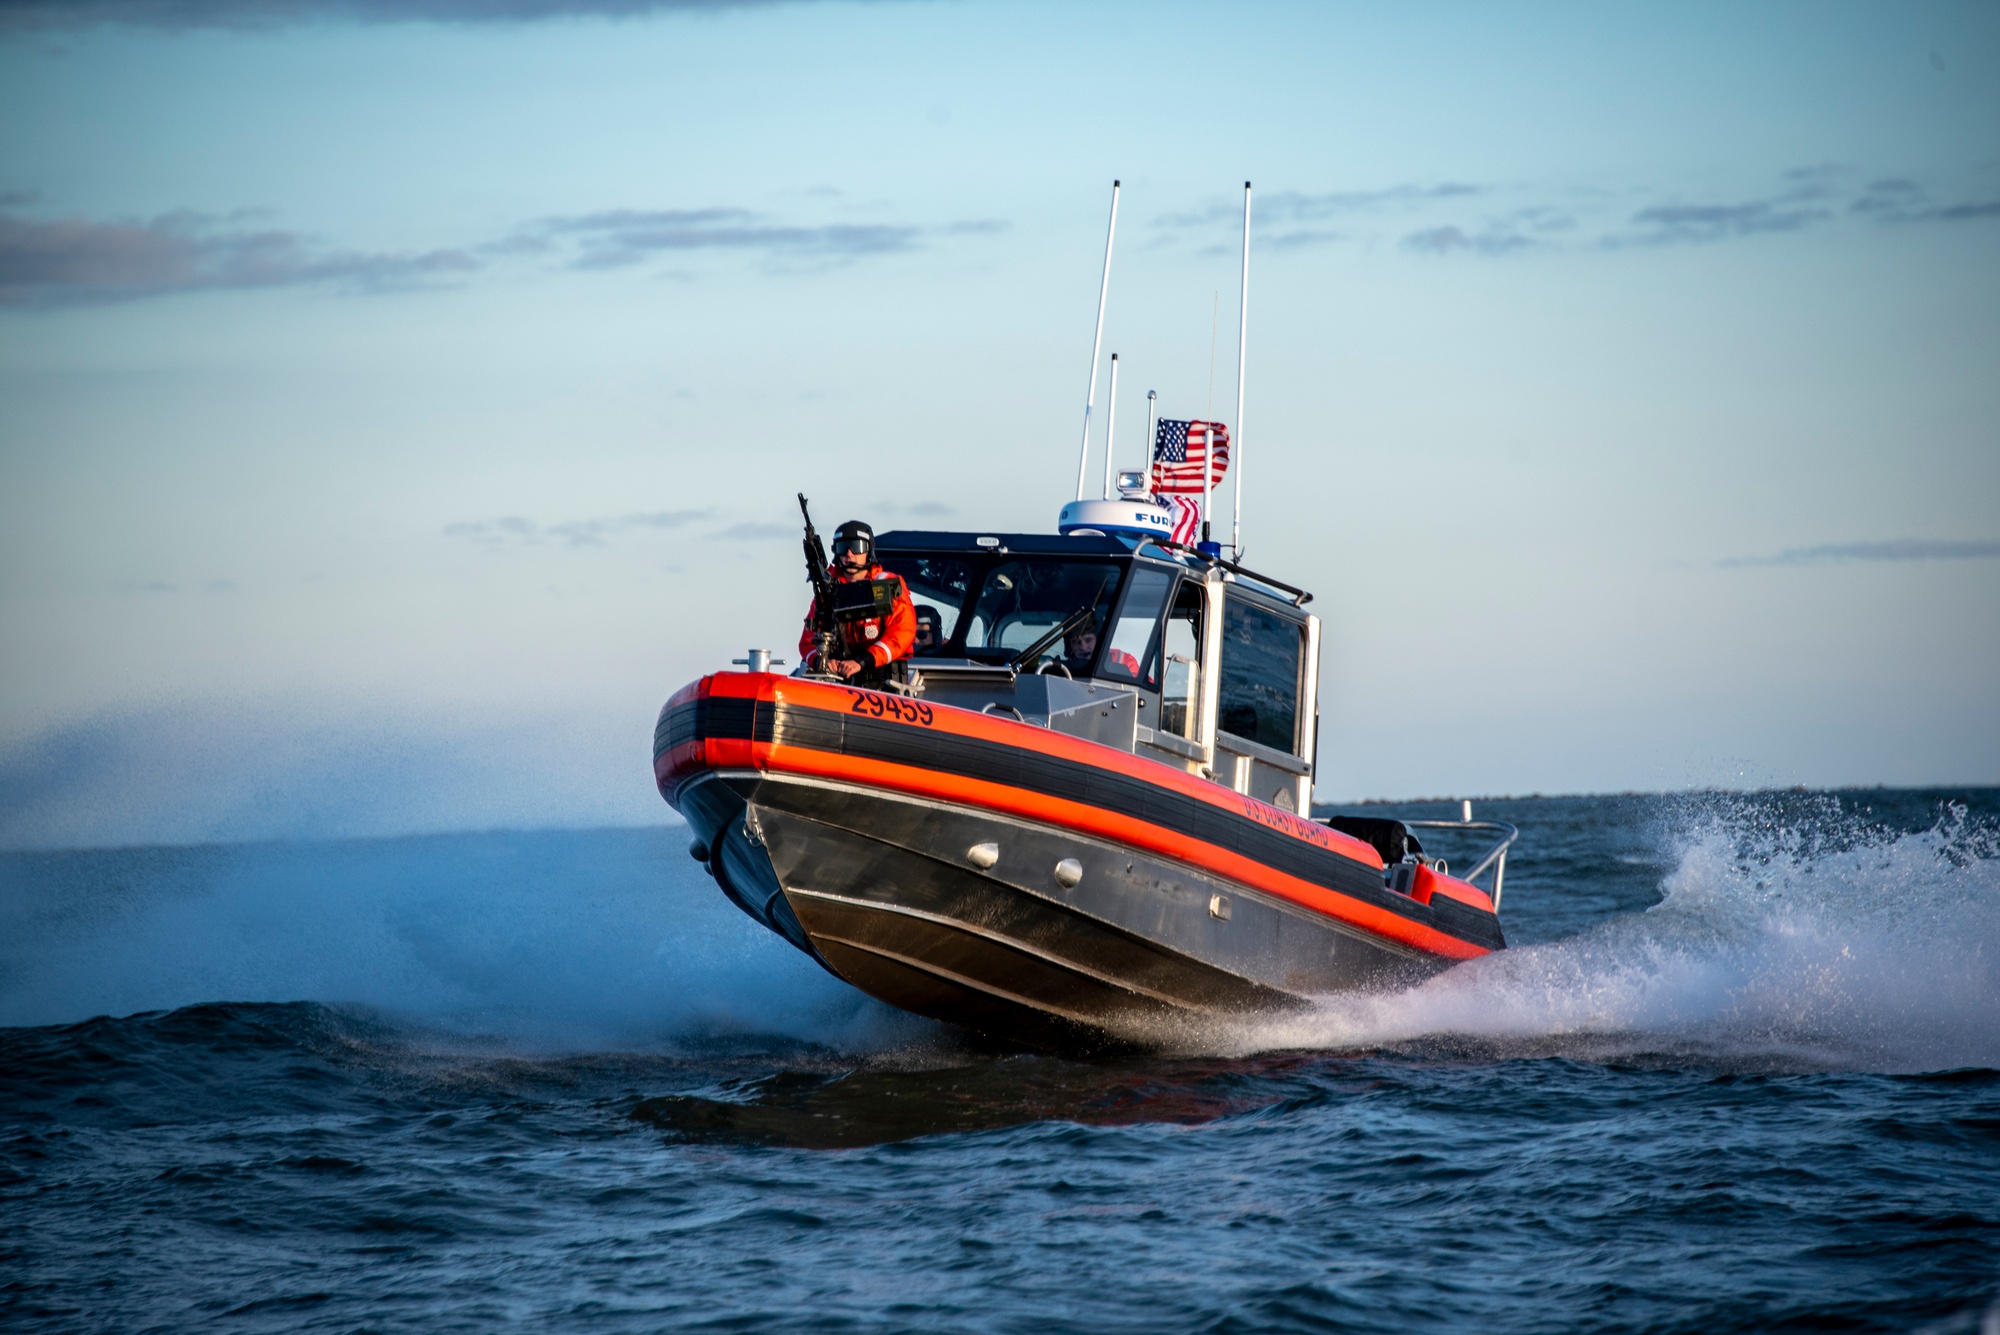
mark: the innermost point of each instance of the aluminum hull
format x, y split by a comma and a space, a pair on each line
869, 866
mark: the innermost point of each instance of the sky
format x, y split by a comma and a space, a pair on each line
399, 400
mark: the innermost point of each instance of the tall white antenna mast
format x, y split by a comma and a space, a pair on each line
1097, 344
1242, 350
1110, 424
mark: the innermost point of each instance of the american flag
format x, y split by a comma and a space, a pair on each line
1187, 519
1179, 451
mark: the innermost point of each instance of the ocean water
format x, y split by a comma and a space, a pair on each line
1740, 1072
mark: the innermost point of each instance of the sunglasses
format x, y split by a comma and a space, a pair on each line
850, 547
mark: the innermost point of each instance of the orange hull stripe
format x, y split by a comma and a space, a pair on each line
680, 763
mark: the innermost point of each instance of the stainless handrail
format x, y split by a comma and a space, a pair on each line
1269, 755
1496, 856
1299, 597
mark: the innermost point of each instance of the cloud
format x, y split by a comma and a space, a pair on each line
68, 261
516, 530
1820, 181
1898, 199
1298, 238
1445, 240
1904, 549
1808, 197
620, 237
1296, 220
1291, 206
176, 15
754, 532
1895, 195
1294, 206
71, 261
1665, 224
1508, 219
504, 527
1984, 208
617, 238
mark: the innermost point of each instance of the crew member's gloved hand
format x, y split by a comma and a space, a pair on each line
843, 668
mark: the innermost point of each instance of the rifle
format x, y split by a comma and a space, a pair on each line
822, 587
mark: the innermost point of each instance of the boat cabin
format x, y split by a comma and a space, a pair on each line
1181, 659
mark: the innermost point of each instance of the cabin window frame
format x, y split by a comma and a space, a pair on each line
1135, 581
1233, 599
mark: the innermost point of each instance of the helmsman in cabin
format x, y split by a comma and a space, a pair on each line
870, 644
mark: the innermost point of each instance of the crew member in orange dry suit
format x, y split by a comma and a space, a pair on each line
877, 641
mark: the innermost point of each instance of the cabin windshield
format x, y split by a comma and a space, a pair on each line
1020, 601
991, 607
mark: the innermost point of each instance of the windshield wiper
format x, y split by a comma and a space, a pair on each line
1063, 629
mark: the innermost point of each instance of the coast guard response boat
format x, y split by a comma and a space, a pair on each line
1071, 848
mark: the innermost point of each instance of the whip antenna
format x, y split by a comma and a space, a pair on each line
1242, 351
1110, 423
1097, 344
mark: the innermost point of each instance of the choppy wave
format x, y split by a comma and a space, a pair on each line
1807, 938
1786, 936
581, 1091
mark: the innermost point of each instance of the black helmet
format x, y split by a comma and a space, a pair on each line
851, 536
